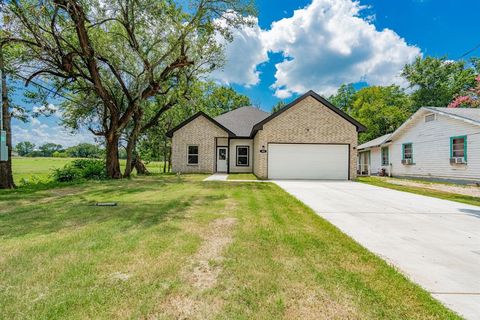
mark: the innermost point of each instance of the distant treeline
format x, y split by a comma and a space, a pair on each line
81, 150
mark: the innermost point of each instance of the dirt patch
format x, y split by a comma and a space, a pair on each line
187, 307
201, 274
465, 190
207, 260
309, 303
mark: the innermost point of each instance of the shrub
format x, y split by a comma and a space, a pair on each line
60, 154
81, 169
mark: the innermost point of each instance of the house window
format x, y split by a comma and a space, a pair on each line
243, 156
430, 117
458, 147
407, 151
385, 160
192, 155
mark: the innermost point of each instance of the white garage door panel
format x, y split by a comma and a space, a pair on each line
308, 161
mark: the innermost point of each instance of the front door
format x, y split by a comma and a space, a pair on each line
222, 158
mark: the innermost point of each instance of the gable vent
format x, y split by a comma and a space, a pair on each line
430, 117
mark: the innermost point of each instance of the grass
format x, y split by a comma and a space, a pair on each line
242, 176
432, 181
25, 168
422, 191
177, 247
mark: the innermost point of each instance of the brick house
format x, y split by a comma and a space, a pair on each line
307, 139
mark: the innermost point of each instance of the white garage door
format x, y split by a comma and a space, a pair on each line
308, 161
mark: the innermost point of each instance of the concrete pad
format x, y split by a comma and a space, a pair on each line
435, 242
217, 177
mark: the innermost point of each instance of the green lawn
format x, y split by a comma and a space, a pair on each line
41, 168
423, 191
177, 247
242, 176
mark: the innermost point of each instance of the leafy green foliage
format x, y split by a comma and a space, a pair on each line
49, 148
437, 81
280, 104
88, 169
381, 110
24, 148
85, 150
344, 97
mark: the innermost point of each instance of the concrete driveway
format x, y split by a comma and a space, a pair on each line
435, 242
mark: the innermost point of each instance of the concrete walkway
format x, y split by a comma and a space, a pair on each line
435, 242
217, 177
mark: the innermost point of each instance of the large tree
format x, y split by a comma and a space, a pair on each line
344, 97
380, 109
437, 81
113, 57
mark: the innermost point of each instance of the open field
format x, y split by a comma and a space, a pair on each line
424, 189
40, 168
177, 247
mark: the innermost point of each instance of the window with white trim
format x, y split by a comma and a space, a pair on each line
243, 153
192, 155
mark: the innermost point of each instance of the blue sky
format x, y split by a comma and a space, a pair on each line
326, 43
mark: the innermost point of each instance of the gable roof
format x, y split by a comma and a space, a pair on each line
246, 121
316, 96
375, 142
471, 114
195, 116
240, 121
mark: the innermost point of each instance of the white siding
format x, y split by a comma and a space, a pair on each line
375, 161
233, 155
431, 149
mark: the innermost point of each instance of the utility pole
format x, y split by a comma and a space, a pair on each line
6, 174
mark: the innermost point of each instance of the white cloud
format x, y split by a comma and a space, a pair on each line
243, 55
324, 45
39, 133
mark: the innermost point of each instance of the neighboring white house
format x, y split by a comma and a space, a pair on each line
433, 143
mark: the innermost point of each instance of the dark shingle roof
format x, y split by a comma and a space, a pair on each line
241, 121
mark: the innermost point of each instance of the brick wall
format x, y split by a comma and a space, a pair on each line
307, 122
201, 132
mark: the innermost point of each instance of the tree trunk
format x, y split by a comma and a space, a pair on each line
132, 143
169, 159
113, 162
6, 175
140, 166
165, 155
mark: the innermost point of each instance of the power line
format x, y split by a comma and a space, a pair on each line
50, 90
470, 51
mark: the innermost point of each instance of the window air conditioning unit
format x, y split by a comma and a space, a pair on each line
458, 160
407, 161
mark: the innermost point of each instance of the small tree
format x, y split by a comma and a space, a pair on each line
24, 148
